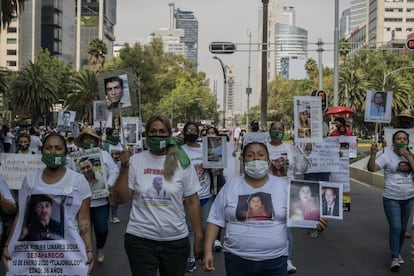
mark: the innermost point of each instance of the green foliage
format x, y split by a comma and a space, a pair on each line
33, 92
9, 9
168, 83
85, 92
97, 50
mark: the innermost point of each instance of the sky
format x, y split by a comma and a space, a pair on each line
227, 20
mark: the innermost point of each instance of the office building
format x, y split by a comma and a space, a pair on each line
345, 23
186, 21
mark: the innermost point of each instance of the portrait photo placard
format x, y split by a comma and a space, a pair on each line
378, 106
89, 163
214, 152
331, 200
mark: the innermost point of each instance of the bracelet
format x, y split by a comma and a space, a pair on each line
89, 251
125, 165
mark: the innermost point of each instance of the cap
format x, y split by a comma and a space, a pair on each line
86, 131
35, 199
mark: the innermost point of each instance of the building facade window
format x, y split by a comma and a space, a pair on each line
12, 30
11, 52
11, 41
11, 63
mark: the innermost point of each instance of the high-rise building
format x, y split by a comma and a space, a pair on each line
98, 18
345, 23
188, 22
43, 24
389, 22
358, 13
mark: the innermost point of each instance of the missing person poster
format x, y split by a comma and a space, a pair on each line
117, 93
378, 106
45, 240
308, 119
331, 200
89, 163
214, 152
303, 204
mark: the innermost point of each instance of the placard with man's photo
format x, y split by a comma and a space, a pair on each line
66, 120
378, 106
117, 92
331, 200
89, 163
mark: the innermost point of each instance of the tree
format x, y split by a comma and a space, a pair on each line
85, 92
33, 92
9, 9
311, 68
97, 50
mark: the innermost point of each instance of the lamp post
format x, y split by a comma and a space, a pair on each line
223, 67
248, 89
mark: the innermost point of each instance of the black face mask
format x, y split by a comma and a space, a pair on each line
192, 138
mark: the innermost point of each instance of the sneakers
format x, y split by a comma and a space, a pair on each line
191, 266
115, 220
100, 255
395, 265
400, 259
290, 267
217, 246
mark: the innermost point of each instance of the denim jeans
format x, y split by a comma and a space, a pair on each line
236, 266
114, 210
290, 240
99, 220
398, 214
147, 256
205, 209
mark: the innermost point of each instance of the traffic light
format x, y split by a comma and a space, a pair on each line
222, 47
324, 99
410, 44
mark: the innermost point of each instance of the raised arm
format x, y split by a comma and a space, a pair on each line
372, 166
121, 193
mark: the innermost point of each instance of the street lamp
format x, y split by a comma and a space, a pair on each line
223, 67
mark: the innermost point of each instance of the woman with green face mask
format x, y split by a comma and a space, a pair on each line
280, 151
157, 181
398, 196
55, 185
88, 139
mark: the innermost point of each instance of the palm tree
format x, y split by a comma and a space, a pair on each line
85, 91
33, 92
9, 9
311, 68
97, 50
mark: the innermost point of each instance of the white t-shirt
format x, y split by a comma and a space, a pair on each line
253, 235
158, 218
67, 196
287, 151
196, 157
399, 184
35, 143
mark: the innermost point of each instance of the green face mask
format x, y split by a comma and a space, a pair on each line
88, 145
400, 146
157, 144
53, 160
276, 134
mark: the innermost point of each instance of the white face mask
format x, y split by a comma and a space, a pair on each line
256, 169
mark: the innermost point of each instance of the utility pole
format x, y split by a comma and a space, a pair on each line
263, 111
248, 89
336, 54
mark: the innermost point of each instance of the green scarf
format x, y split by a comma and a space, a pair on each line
182, 155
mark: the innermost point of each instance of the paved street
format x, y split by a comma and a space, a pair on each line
356, 246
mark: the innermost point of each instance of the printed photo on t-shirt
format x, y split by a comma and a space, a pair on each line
256, 206
44, 218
